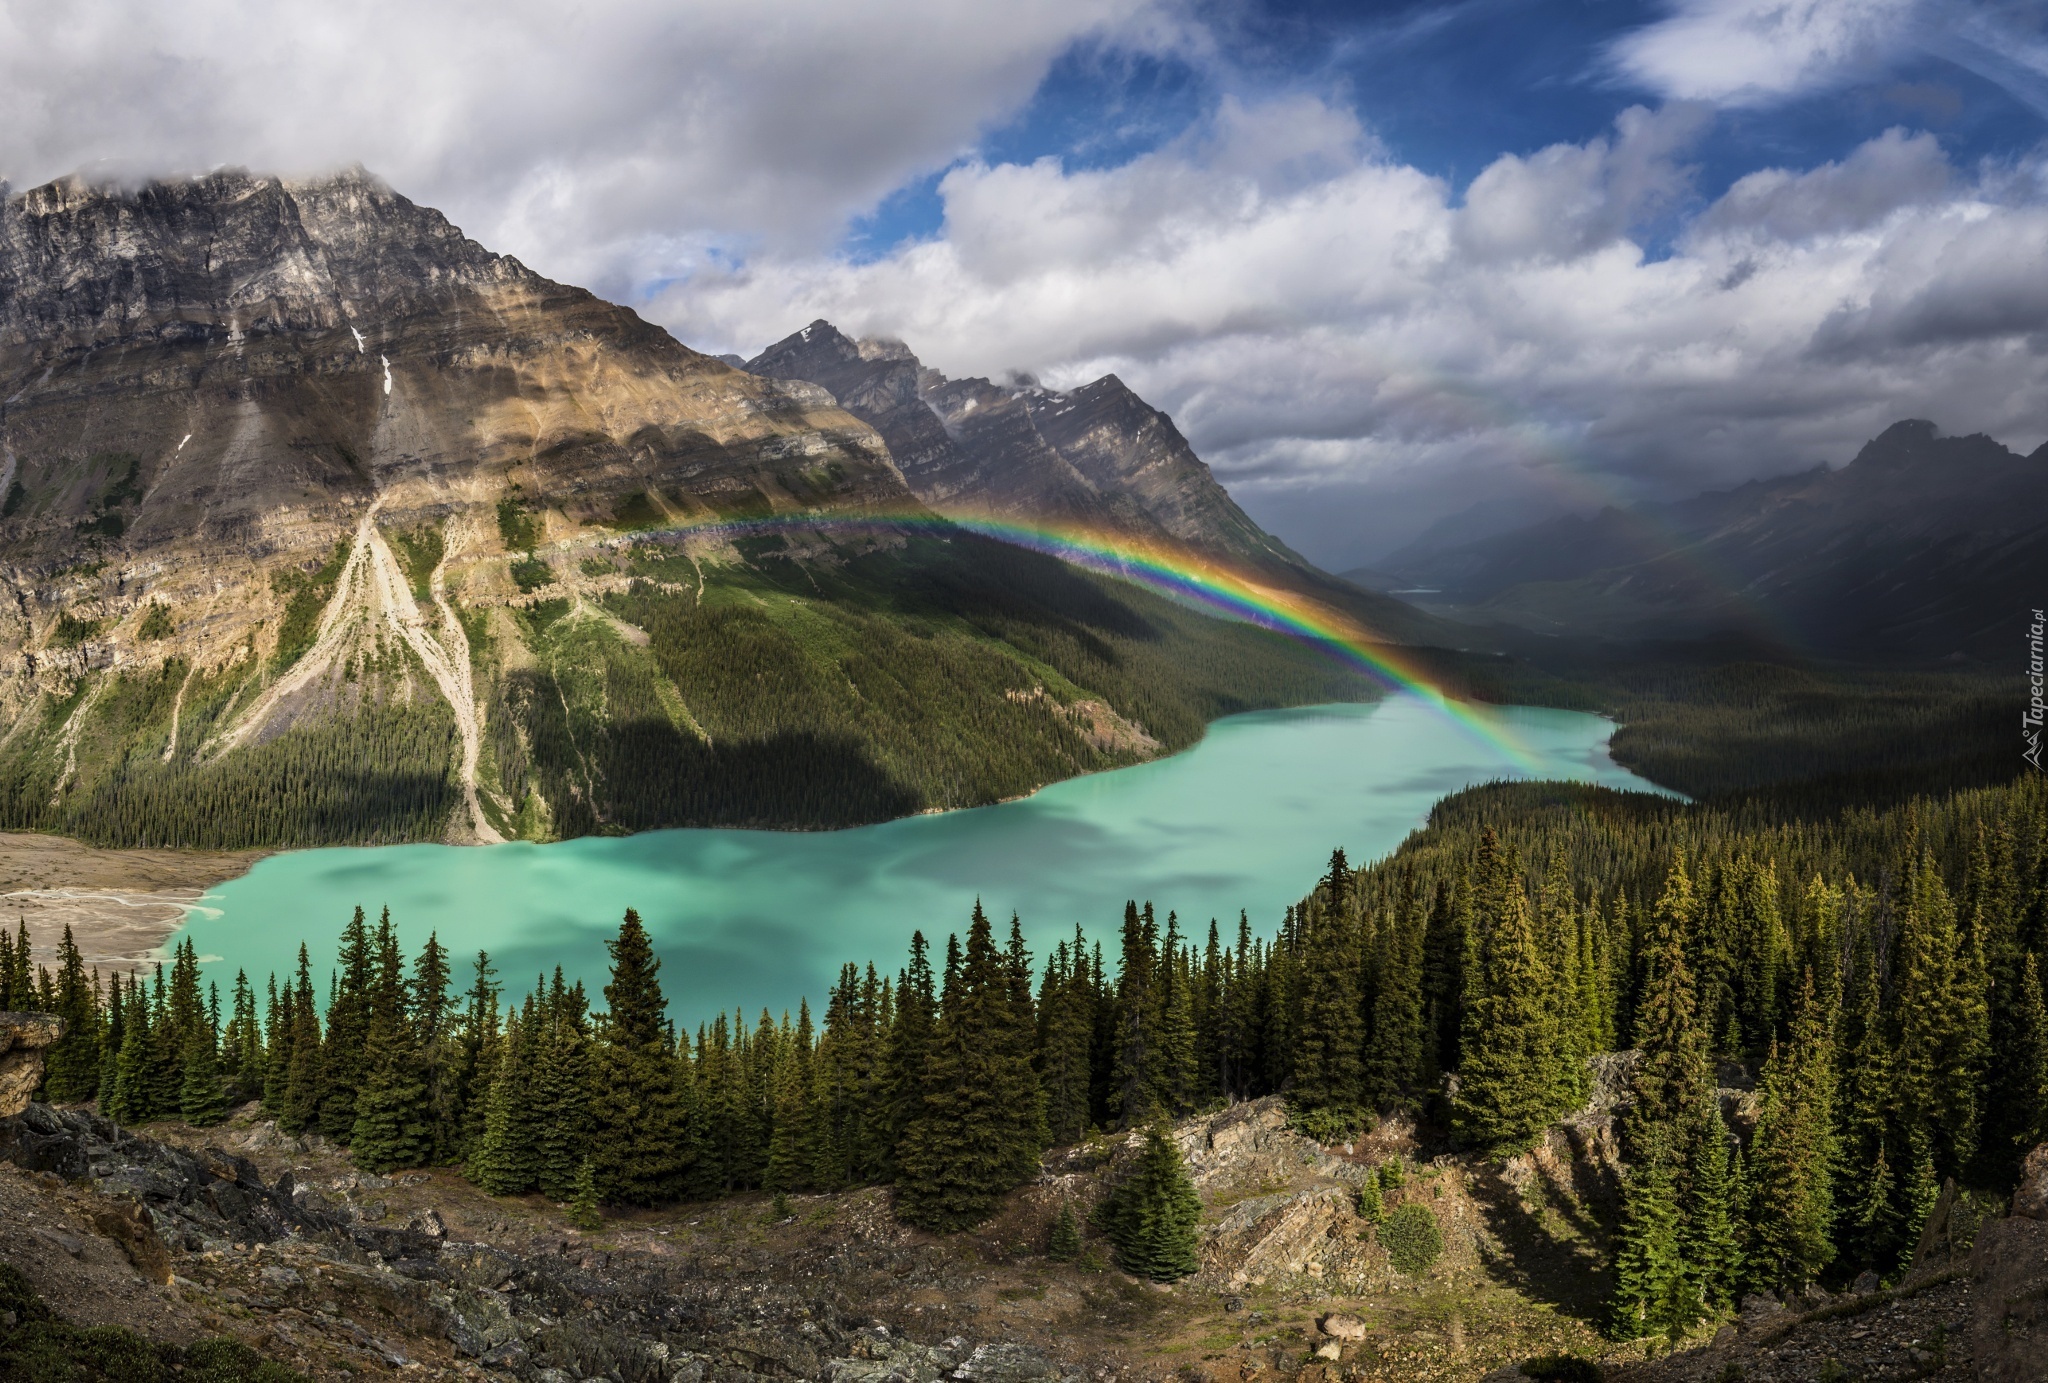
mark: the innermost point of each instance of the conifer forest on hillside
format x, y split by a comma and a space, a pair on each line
1861, 969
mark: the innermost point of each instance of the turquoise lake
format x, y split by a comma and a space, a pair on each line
1245, 820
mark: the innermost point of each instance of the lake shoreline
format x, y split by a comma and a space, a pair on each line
121, 904
1242, 821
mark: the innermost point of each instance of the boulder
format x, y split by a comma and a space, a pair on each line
1339, 1325
24, 1037
2030, 1197
2009, 1299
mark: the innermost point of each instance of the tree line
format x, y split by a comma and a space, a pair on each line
1858, 971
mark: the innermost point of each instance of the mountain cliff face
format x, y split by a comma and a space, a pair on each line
1922, 547
239, 367
1097, 454
320, 521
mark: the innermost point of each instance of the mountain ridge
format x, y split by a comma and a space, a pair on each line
1921, 547
1098, 453
320, 521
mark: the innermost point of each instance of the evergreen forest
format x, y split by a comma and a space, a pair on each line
1854, 972
779, 688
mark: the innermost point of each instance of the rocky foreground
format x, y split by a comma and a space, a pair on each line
278, 1242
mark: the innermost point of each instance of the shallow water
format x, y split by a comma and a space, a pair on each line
1244, 820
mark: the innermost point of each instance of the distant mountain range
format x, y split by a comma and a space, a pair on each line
1921, 548
1099, 454
320, 521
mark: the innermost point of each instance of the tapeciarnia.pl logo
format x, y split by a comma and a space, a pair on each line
2031, 718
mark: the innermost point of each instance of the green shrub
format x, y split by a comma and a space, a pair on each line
1411, 1238
531, 573
1065, 1244
1152, 1214
1371, 1208
1331, 1125
583, 1210
419, 552
516, 526
1393, 1174
157, 623
70, 632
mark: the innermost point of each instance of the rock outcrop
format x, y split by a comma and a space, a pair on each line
209, 379
339, 1282
2009, 1280
1098, 454
24, 1037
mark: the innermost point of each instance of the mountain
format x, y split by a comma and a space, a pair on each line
320, 521
1096, 454
1922, 547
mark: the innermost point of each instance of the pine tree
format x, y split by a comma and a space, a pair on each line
1370, 1204
501, 1163
167, 1048
1652, 1293
1672, 1079
1391, 1072
18, 982
1178, 1076
1943, 1021
642, 1150
1558, 952
1329, 1034
982, 1124
476, 1058
305, 1082
1507, 1076
1153, 1213
242, 1055
436, 1050
792, 1147
1136, 1075
561, 1094
113, 1035
1707, 1237
1443, 972
1064, 1246
910, 1044
1791, 1210
281, 1027
202, 1098
2022, 1092
1065, 1015
347, 1039
583, 1204
129, 1103
71, 1067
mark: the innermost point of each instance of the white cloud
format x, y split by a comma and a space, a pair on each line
1366, 332
1751, 52
598, 140
1321, 318
1760, 52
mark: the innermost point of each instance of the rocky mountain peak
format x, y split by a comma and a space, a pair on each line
1098, 453
226, 256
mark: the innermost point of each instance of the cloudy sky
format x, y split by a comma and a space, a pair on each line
1382, 261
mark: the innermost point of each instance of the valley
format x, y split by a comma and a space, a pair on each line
510, 823
328, 526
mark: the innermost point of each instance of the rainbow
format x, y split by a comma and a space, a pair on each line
1179, 574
